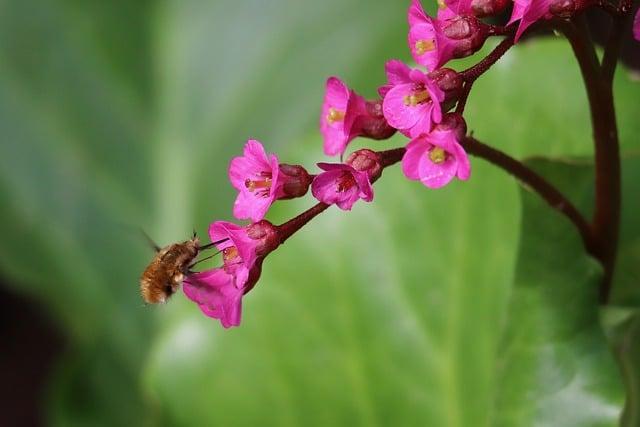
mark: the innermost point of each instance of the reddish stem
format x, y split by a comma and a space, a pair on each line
471, 74
554, 198
606, 217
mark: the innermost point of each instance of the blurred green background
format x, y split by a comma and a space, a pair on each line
468, 306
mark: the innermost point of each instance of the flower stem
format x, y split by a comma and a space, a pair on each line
287, 229
606, 217
471, 74
554, 198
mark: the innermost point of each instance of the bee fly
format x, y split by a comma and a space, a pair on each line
166, 271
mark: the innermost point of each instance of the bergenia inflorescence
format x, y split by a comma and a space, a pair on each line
416, 100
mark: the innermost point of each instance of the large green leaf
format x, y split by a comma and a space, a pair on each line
120, 114
555, 355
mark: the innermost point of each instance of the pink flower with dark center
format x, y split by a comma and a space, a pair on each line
411, 99
528, 12
435, 158
340, 108
260, 180
636, 26
218, 292
254, 175
342, 185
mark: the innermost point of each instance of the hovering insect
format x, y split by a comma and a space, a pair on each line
166, 271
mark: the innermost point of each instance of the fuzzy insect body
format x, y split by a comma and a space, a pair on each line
164, 274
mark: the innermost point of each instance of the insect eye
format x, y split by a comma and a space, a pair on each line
168, 289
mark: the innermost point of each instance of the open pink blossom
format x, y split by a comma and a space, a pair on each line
342, 185
427, 42
455, 33
254, 175
528, 12
411, 99
636, 26
435, 158
340, 108
218, 292
260, 180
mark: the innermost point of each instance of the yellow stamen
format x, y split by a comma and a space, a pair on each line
424, 46
437, 155
252, 185
334, 115
441, 4
416, 98
229, 253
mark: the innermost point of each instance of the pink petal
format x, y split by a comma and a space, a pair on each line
252, 162
399, 115
337, 93
416, 149
248, 206
335, 134
636, 26
356, 107
464, 166
397, 73
424, 31
519, 7
216, 295
533, 11
364, 185
416, 13
459, 7
325, 186
437, 175
238, 237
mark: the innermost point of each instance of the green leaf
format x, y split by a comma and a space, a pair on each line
555, 355
118, 115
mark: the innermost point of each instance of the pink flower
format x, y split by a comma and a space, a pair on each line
456, 33
528, 12
260, 180
636, 26
218, 292
427, 42
435, 158
254, 175
411, 99
340, 108
342, 185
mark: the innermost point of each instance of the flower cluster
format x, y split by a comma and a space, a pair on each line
414, 101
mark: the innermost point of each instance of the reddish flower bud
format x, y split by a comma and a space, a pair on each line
484, 8
454, 122
265, 237
373, 124
295, 182
450, 82
468, 32
562, 8
366, 160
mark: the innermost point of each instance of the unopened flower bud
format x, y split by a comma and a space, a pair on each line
373, 124
484, 8
265, 236
450, 82
295, 181
468, 32
366, 160
454, 122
